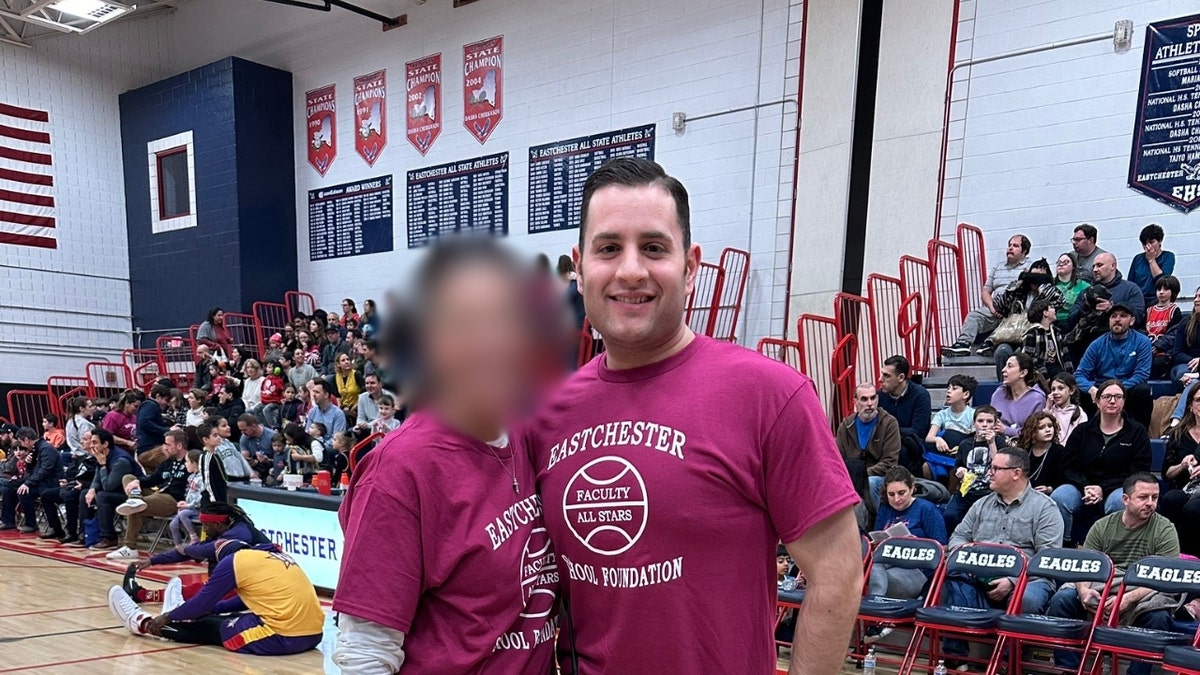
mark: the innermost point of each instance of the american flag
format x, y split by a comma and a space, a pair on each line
27, 214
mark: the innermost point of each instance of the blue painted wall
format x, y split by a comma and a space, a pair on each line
243, 248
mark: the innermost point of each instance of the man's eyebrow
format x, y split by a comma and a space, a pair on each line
613, 236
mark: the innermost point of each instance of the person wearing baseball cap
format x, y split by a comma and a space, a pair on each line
1121, 354
275, 611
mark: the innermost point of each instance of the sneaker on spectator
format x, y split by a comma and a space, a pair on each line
131, 506
123, 553
172, 594
876, 633
959, 348
25, 529
987, 349
124, 608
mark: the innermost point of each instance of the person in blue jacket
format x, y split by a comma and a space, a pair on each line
43, 472
107, 489
1152, 263
152, 428
1122, 354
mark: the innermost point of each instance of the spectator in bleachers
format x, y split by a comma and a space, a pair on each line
271, 394
170, 478
370, 319
869, 440
1063, 403
195, 414
1152, 263
305, 450
909, 403
230, 406
233, 365
349, 312
12, 475
1121, 354
1012, 513
974, 456
212, 468
1032, 286
176, 413
252, 380
323, 410
1042, 342
1100, 455
236, 468
43, 469
349, 383
255, 444
370, 360
1127, 536
121, 422
1039, 437
1161, 319
274, 348
922, 520
299, 372
52, 433
1069, 282
107, 490
1084, 242
1185, 347
368, 403
951, 425
152, 427
291, 408
214, 334
1021, 393
1181, 471
390, 418
331, 347
7, 431
204, 363
1108, 290
69, 492
79, 412
983, 320
310, 350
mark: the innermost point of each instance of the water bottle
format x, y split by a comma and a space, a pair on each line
789, 584
869, 662
941, 668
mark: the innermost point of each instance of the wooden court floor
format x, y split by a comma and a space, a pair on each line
54, 619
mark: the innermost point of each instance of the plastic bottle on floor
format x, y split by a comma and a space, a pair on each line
941, 668
869, 662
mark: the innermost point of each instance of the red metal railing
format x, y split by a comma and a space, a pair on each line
972, 264
176, 359
27, 407
916, 281
366, 442
701, 312
818, 339
57, 386
735, 263
949, 297
853, 314
108, 379
244, 336
298, 302
886, 297
269, 317
784, 351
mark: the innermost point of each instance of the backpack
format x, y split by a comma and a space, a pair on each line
931, 491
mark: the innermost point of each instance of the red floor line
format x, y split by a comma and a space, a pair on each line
96, 658
52, 611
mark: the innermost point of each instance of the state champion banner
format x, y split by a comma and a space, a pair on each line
370, 115
320, 106
483, 86
423, 82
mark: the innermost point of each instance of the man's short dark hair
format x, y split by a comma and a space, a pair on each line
898, 362
177, 435
233, 388
51, 418
1089, 231
1130, 483
27, 434
1037, 309
323, 384
1019, 458
637, 172
964, 382
160, 391
985, 410
206, 429
1025, 243
249, 419
1151, 232
374, 375
1170, 283
102, 436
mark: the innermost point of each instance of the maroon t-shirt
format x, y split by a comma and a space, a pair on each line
666, 489
439, 546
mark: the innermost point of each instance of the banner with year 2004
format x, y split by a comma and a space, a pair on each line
483, 86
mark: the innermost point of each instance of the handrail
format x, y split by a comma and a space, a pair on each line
362, 444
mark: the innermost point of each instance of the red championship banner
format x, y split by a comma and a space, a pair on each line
370, 115
320, 105
483, 86
423, 82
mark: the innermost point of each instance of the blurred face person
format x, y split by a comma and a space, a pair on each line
386, 410
1112, 401
1060, 394
202, 352
251, 430
298, 357
1119, 323
635, 273
1163, 295
985, 425
223, 429
1105, 268
318, 395
891, 381
174, 448
1142, 504
130, 407
1013, 252
1064, 267
899, 495
1005, 475
344, 364
1045, 431
1082, 245
782, 564
212, 440
866, 403
194, 401
1013, 373
372, 384
477, 346
289, 393
956, 395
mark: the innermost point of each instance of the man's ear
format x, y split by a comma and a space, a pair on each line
691, 266
577, 259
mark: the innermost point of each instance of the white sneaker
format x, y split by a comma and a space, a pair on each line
124, 553
124, 608
131, 506
172, 595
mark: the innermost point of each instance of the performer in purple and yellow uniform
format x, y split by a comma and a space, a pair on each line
284, 615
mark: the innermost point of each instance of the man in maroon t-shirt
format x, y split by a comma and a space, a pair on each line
672, 465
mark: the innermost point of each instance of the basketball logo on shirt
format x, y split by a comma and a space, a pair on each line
605, 505
539, 575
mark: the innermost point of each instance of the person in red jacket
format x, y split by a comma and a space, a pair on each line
271, 394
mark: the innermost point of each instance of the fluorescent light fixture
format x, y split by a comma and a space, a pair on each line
96, 10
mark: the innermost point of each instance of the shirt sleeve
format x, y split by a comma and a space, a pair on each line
805, 478
933, 523
220, 583
382, 576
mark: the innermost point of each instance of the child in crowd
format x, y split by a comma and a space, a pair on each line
290, 407
237, 468
339, 463
195, 415
303, 453
1063, 403
214, 484
271, 395
1160, 319
1042, 341
219, 382
951, 425
279, 457
387, 416
52, 433
189, 508
971, 466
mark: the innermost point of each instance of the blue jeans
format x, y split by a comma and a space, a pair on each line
1065, 604
1181, 408
876, 483
962, 591
1070, 502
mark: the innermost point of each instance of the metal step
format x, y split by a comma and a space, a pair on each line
938, 377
